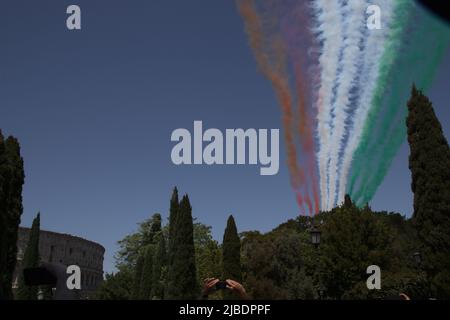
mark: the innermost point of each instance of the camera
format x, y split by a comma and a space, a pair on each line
221, 285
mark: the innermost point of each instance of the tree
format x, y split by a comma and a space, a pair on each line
30, 260
429, 162
11, 181
116, 286
182, 279
137, 277
159, 269
208, 255
352, 239
173, 214
231, 255
5, 284
154, 230
131, 245
147, 271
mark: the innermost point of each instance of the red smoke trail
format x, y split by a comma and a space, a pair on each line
300, 40
299, 200
307, 138
274, 71
308, 202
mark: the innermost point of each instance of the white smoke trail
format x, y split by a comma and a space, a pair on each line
328, 27
351, 61
374, 49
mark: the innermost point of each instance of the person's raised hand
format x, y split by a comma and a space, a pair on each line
209, 286
237, 287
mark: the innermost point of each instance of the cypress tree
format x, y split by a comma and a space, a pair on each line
159, 267
11, 181
231, 252
182, 279
173, 213
147, 270
4, 291
429, 162
30, 260
137, 277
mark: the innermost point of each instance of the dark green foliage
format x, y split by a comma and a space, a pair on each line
116, 286
131, 245
147, 274
182, 279
429, 162
208, 255
11, 181
352, 240
173, 214
159, 270
137, 277
273, 263
231, 255
153, 231
283, 264
30, 260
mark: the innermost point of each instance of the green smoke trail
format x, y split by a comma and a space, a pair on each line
434, 40
401, 17
422, 56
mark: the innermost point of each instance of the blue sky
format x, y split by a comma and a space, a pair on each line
94, 110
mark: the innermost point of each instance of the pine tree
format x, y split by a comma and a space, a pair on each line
137, 277
159, 268
11, 181
231, 255
30, 260
182, 279
429, 162
147, 270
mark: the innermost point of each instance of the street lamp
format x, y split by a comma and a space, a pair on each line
315, 240
315, 236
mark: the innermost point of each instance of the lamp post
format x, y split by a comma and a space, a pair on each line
315, 240
315, 236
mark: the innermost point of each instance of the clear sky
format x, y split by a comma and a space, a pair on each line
94, 110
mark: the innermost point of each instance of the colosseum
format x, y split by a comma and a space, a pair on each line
67, 250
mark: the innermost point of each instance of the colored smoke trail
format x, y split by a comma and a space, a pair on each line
329, 32
269, 47
375, 45
418, 65
386, 67
307, 139
301, 46
342, 87
273, 70
422, 52
354, 38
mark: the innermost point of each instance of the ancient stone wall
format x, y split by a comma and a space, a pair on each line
67, 250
